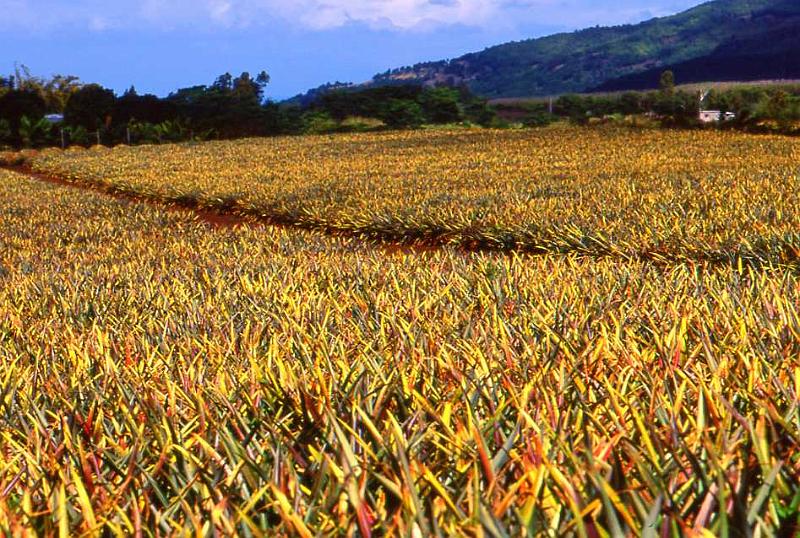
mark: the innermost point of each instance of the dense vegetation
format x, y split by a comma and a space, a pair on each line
161, 375
762, 108
756, 53
718, 40
231, 107
235, 108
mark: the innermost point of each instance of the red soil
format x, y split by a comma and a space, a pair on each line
213, 217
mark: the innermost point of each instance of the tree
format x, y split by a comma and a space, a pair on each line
781, 108
401, 114
230, 107
17, 104
678, 108
57, 91
23, 80
667, 82
371, 102
575, 107
6, 85
630, 103
283, 119
90, 107
478, 111
5, 132
245, 87
223, 83
440, 105
143, 108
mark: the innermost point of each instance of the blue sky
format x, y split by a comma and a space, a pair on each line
160, 45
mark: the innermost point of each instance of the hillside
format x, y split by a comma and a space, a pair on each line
723, 39
768, 51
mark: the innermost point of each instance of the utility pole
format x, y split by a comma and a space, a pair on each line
128, 135
63, 140
98, 137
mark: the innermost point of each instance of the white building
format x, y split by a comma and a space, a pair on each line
710, 116
715, 116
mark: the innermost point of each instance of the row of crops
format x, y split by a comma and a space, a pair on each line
663, 196
160, 375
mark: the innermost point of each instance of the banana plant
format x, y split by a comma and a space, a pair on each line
34, 132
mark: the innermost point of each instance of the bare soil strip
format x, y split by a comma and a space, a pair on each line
219, 218
208, 216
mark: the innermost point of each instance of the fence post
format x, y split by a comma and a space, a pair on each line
63, 141
128, 134
98, 137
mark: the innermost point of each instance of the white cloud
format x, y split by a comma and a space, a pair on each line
322, 14
99, 15
315, 14
397, 13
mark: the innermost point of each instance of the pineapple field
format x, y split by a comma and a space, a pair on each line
560, 332
665, 196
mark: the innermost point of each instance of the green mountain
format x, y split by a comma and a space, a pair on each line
768, 50
718, 40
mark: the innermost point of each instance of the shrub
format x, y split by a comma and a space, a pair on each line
319, 123
361, 124
403, 114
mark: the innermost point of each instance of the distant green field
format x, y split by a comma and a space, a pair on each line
696, 86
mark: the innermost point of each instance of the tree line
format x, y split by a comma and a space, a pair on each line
230, 107
756, 108
233, 107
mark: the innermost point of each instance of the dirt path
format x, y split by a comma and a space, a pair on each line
211, 217
217, 218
